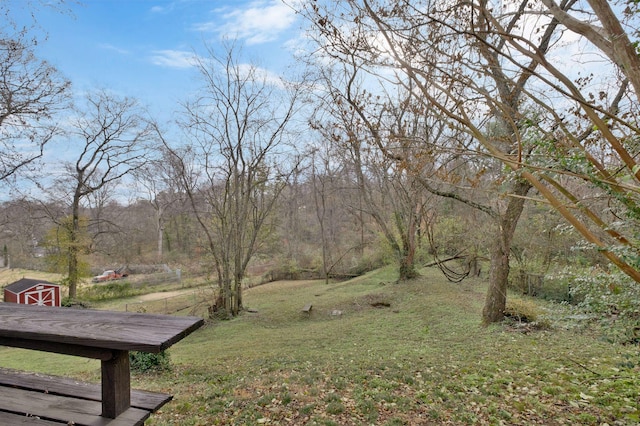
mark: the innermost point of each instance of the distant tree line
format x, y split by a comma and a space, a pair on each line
417, 131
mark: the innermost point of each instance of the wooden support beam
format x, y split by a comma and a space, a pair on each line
116, 385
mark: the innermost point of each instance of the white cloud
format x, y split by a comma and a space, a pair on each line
260, 21
167, 8
260, 74
174, 58
107, 46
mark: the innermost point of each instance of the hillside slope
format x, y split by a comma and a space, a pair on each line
382, 353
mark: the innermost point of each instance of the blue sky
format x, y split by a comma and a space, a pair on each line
141, 48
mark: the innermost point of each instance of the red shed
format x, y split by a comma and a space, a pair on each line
33, 292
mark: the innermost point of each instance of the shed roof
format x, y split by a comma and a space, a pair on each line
25, 284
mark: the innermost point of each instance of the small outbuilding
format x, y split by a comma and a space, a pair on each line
33, 292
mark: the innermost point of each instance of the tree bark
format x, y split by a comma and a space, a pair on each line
160, 233
496, 298
74, 236
407, 270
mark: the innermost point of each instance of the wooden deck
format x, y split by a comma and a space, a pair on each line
107, 336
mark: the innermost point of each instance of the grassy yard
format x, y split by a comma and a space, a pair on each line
8, 276
375, 352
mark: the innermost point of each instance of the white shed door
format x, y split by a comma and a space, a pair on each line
41, 296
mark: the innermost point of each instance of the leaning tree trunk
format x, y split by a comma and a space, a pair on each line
496, 299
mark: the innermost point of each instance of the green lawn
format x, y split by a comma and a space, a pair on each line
423, 359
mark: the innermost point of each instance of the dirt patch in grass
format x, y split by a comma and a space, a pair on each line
375, 300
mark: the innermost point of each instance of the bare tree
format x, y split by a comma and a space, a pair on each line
581, 135
23, 225
239, 163
332, 194
454, 62
160, 185
112, 136
376, 133
32, 92
603, 152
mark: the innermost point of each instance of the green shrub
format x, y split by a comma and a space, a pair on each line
558, 287
547, 287
609, 295
556, 291
144, 362
67, 302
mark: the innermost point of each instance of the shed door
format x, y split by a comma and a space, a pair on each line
41, 296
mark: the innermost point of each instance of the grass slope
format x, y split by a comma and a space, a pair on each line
423, 360
8, 276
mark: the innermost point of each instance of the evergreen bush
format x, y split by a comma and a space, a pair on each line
144, 362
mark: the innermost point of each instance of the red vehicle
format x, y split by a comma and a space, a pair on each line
109, 275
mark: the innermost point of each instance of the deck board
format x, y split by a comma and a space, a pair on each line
104, 335
65, 327
21, 419
64, 409
64, 386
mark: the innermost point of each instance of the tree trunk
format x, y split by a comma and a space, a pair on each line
408, 256
496, 299
237, 306
74, 235
160, 235
225, 300
73, 271
407, 270
474, 267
